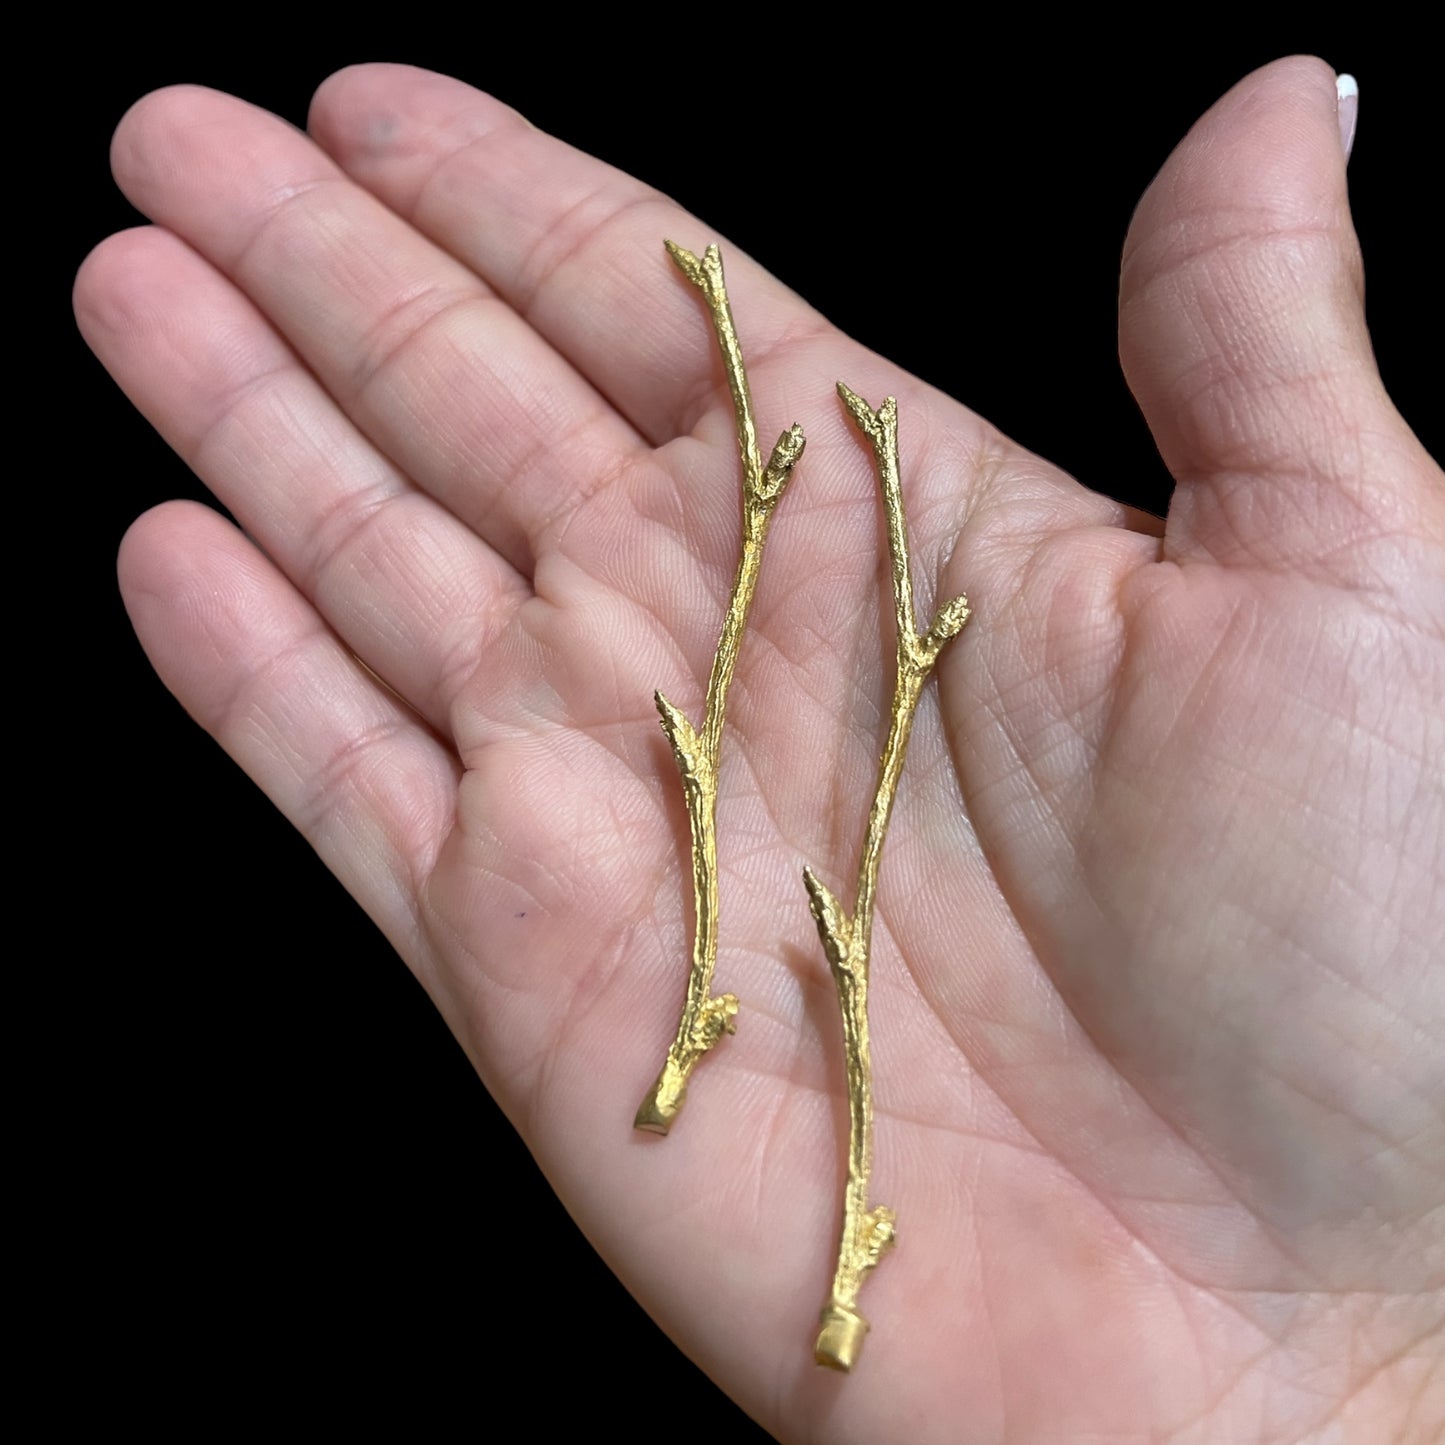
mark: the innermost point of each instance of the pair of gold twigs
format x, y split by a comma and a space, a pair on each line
846, 937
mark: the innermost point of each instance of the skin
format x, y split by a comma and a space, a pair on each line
1159, 972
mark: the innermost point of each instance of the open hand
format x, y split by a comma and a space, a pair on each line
1157, 1000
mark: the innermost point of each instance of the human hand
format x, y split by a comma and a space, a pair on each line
1019, 1124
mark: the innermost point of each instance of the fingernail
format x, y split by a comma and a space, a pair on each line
1347, 105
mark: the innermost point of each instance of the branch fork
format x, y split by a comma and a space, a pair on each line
705, 1017
868, 1233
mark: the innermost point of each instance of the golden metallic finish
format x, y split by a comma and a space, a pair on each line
705, 1018
868, 1233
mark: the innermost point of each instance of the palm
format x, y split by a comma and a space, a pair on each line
1133, 936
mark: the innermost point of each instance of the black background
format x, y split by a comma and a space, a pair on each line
271, 1186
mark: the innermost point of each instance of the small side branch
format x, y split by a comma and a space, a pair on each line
868, 1233
706, 1018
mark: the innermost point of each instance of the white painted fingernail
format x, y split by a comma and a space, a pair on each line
1347, 104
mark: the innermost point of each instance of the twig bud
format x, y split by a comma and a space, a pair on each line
947, 622
834, 926
786, 451
863, 414
687, 747
687, 263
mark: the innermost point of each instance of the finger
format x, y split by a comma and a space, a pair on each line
409, 587
572, 244
370, 788
448, 381
1243, 336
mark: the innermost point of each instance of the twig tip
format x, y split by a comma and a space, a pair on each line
862, 413
835, 928
686, 261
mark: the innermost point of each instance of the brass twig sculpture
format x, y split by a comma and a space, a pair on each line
868, 1233
705, 1018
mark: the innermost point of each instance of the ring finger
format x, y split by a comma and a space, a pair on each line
408, 586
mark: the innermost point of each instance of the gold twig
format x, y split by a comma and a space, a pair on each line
705, 1018
868, 1233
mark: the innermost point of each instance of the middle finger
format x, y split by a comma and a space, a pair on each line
443, 376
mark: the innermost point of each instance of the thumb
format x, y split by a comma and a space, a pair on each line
1242, 334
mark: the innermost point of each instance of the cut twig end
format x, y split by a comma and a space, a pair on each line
840, 1341
664, 1101
651, 1117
